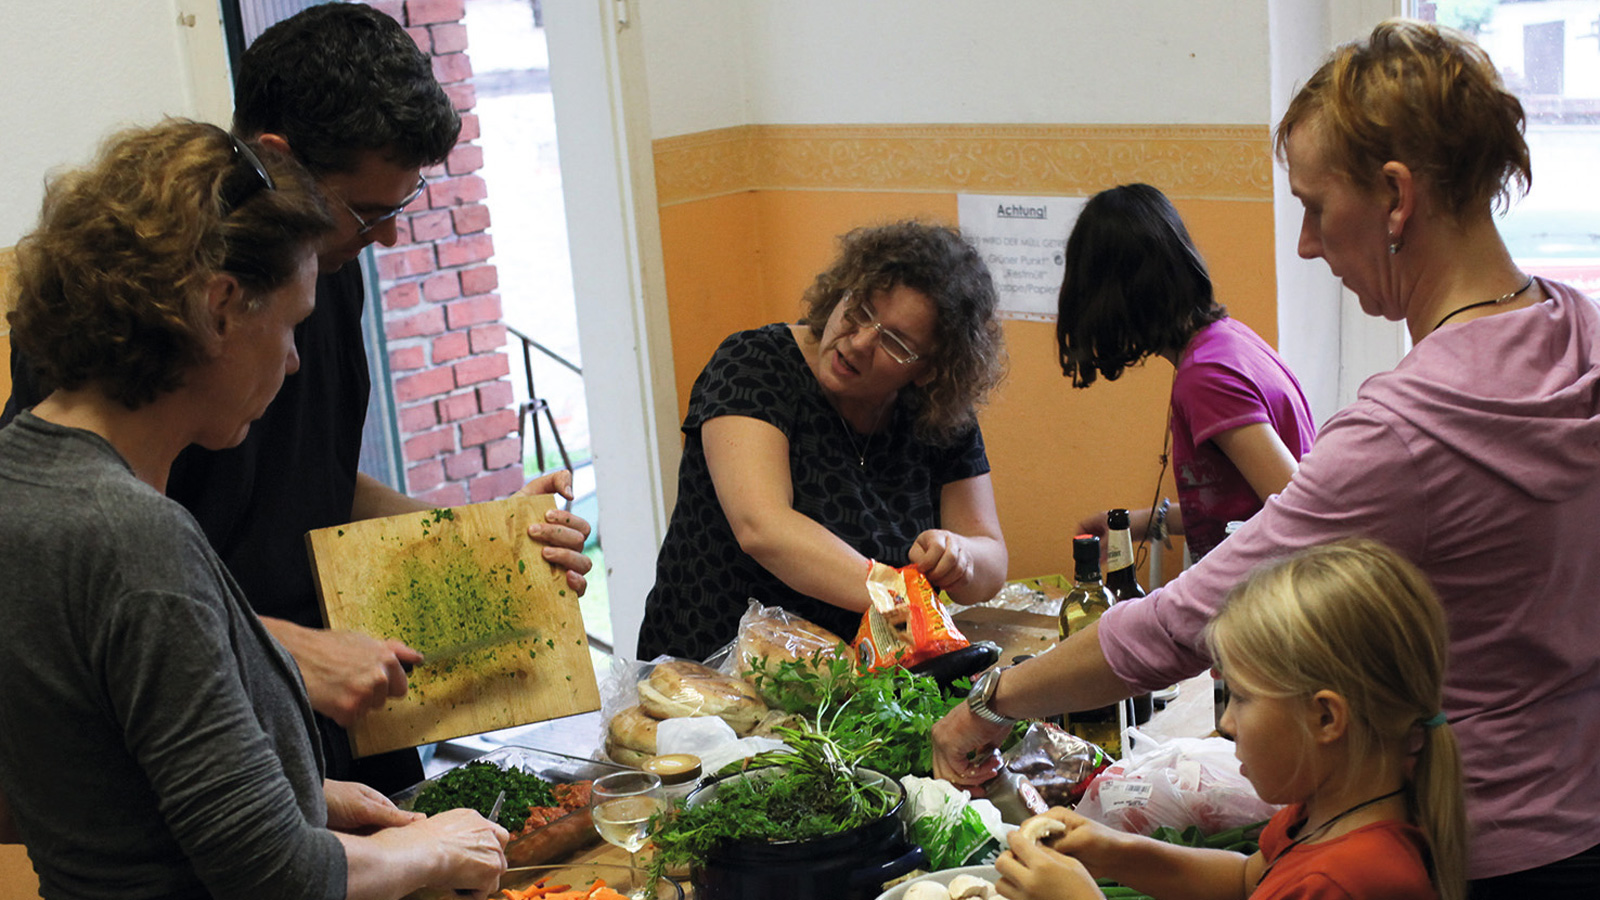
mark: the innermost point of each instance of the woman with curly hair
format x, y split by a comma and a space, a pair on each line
812, 448
160, 295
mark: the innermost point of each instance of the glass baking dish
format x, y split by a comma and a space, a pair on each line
554, 841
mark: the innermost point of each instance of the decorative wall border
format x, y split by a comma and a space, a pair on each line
1220, 162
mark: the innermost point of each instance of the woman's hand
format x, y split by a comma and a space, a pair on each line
1031, 871
943, 558
456, 850
473, 850
966, 749
357, 808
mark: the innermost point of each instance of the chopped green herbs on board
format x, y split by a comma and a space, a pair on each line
438, 594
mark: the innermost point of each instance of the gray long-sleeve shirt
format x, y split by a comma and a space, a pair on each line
155, 741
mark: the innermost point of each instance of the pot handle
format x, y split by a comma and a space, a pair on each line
914, 858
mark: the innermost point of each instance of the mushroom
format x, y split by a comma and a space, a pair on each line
1041, 829
968, 887
927, 890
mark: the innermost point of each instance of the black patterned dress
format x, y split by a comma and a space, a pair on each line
703, 580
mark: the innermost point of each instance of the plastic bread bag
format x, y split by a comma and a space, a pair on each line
907, 623
1176, 783
637, 697
776, 635
1058, 765
953, 828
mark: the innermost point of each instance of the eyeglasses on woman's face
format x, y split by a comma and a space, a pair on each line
365, 224
859, 316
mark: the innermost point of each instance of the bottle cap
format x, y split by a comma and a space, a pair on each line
674, 768
1086, 548
1116, 519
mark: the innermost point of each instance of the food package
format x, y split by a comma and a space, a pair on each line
776, 635
953, 828
773, 647
682, 688
906, 623
638, 697
1176, 783
1057, 764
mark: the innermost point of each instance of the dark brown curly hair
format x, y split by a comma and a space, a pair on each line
112, 283
939, 263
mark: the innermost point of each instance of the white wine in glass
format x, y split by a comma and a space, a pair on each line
623, 805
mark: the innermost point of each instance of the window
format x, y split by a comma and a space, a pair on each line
1548, 51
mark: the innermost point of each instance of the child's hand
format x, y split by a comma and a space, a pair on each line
1031, 871
1087, 841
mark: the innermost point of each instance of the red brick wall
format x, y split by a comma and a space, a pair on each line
441, 314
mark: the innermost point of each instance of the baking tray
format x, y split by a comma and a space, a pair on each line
554, 841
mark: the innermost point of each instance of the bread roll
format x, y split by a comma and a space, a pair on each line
631, 737
783, 637
681, 688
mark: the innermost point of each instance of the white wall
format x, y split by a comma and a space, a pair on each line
74, 70
719, 64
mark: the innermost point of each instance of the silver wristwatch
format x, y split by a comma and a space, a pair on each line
982, 694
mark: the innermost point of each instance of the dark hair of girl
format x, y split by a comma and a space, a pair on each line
1134, 285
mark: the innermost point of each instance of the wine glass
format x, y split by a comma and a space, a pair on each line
623, 805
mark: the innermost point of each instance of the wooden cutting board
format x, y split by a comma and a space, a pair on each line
445, 577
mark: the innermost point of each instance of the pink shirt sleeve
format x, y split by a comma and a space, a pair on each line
1359, 480
1217, 398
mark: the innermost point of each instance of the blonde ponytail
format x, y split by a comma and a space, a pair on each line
1355, 618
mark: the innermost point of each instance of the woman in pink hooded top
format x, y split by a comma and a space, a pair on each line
1477, 458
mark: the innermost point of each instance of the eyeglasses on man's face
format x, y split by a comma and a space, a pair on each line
365, 224
858, 316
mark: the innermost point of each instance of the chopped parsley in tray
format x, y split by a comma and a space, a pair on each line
530, 800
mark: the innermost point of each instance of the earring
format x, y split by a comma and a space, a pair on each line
1394, 244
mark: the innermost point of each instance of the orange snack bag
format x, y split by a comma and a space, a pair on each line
906, 624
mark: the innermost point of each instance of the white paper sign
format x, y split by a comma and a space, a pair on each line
1023, 241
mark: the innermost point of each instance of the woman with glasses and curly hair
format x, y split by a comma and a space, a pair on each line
812, 448
155, 741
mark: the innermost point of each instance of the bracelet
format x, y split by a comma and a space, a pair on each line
1157, 529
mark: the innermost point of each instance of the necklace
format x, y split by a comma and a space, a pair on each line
1495, 302
1324, 827
859, 449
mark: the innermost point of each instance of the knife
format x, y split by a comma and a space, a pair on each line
444, 654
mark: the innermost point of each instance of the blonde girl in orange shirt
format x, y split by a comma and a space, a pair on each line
1335, 658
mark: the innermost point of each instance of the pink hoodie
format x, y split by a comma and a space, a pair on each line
1477, 458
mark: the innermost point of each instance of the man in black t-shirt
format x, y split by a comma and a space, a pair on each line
345, 89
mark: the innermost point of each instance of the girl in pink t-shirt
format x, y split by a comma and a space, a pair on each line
1135, 287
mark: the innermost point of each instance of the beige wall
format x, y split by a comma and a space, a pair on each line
779, 126
75, 70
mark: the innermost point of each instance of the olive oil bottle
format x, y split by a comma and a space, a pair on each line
1123, 582
1083, 606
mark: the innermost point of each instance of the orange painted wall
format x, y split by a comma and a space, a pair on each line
741, 260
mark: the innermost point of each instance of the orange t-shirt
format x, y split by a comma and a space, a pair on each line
1381, 861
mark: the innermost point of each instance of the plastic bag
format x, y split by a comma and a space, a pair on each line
906, 623
1057, 764
953, 828
1175, 783
637, 697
